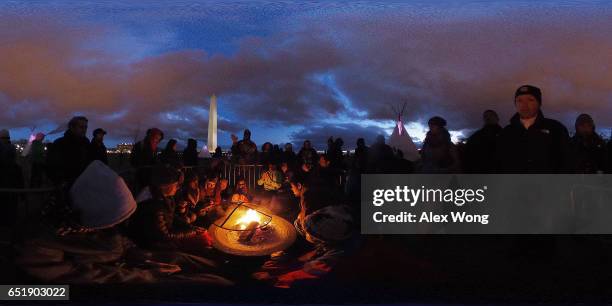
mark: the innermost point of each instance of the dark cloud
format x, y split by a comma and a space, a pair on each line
318, 135
458, 68
438, 64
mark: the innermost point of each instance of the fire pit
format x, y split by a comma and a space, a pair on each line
247, 230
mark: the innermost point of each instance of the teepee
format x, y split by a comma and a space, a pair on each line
204, 153
401, 140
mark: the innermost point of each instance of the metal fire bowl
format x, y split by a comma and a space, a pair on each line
277, 236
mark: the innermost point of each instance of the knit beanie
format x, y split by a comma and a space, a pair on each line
529, 90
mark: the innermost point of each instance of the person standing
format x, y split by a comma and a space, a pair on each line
190, 154
439, 154
36, 157
97, 148
308, 154
69, 155
169, 155
144, 156
289, 156
481, 146
244, 151
587, 149
532, 143
11, 176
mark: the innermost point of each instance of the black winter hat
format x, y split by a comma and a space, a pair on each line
529, 90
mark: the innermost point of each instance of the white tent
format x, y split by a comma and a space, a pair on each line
401, 140
204, 153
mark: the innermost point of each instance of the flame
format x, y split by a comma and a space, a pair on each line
250, 216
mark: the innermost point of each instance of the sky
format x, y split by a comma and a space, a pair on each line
294, 70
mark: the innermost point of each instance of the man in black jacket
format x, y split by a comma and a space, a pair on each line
69, 155
532, 143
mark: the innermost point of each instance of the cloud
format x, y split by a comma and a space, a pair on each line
349, 133
440, 63
459, 68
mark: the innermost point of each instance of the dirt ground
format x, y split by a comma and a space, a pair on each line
405, 269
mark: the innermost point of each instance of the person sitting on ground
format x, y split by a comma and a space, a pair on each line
153, 225
188, 197
325, 174
287, 175
271, 179
85, 244
306, 170
210, 207
211, 191
241, 192
328, 230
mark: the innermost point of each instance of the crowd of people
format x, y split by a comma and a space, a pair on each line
179, 195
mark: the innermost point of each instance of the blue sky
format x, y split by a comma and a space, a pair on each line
290, 70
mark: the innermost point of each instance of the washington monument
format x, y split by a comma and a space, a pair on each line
212, 125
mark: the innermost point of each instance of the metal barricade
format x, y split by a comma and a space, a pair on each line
250, 173
229, 171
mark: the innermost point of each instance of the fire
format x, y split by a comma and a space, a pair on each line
246, 219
